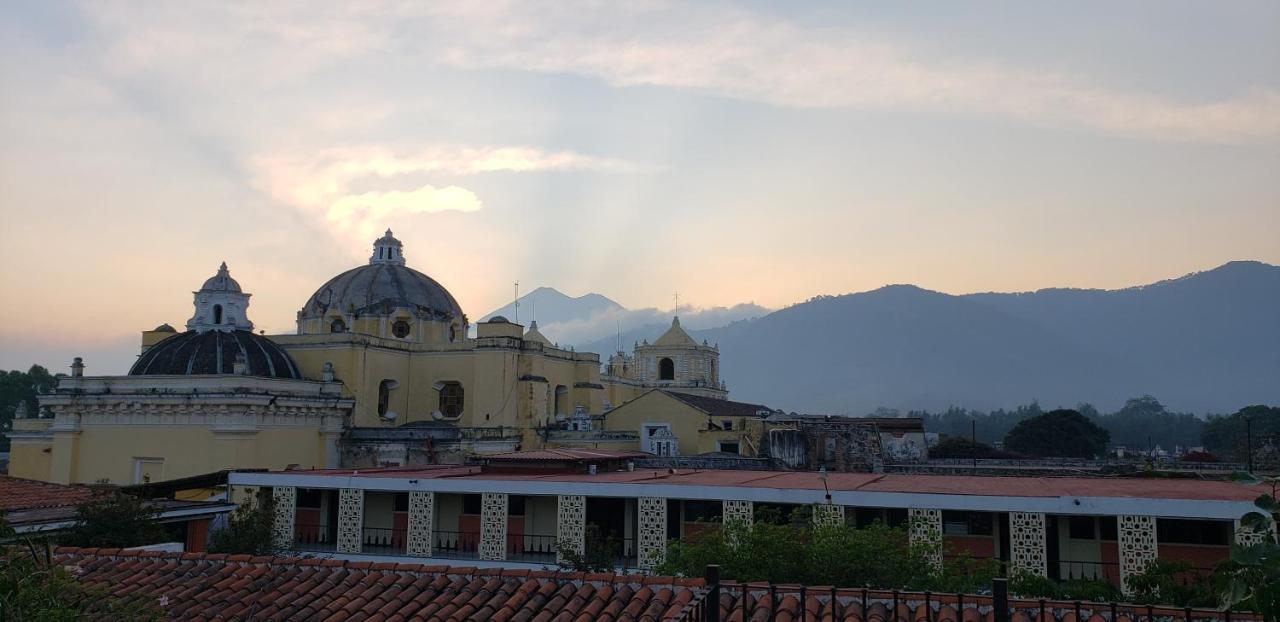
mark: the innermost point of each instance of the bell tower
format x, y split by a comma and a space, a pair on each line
220, 305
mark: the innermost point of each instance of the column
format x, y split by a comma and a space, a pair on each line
926, 533
421, 523
651, 530
1028, 547
493, 525
571, 524
827, 515
350, 520
284, 505
1137, 546
740, 511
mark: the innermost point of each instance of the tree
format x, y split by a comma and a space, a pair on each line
248, 531
114, 520
1228, 436
1253, 572
1145, 422
600, 553
1058, 434
18, 388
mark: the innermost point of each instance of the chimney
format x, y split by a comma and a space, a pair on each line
77, 367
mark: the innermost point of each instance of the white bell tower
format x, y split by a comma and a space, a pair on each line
220, 305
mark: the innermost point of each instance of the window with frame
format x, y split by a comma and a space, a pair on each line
728, 447
400, 329
451, 399
666, 369
338, 326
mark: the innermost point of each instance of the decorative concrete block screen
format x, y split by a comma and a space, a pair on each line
1027, 543
571, 524
421, 522
926, 530
741, 511
284, 505
493, 525
350, 520
1137, 547
652, 526
828, 514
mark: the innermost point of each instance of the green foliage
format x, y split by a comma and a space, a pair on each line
1028, 585
600, 552
1058, 434
1227, 436
875, 556
34, 589
114, 520
248, 531
1144, 422
1251, 578
1160, 584
18, 387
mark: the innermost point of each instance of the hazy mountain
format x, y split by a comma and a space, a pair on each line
593, 323
552, 306
1206, 342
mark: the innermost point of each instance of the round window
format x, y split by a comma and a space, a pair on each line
400, 329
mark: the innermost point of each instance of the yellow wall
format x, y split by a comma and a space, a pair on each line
688, 424
31, 458
109, 452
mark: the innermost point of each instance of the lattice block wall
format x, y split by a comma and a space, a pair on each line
1249, 536
571, 524
1137, 546
1028, 550
284, 505
421, 523
926, 531
493, 525
735, 510
350, 520
652, 529
828, 514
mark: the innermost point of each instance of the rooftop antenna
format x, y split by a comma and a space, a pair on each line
515, 304
677, 299
619, 323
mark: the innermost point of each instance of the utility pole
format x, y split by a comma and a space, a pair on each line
973, 443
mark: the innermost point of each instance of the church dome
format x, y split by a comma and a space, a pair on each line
381, 286
216, 352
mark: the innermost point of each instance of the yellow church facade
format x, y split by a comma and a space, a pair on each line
381, 350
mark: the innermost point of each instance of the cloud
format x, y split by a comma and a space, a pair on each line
320, 185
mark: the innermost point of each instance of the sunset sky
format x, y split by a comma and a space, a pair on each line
749, 152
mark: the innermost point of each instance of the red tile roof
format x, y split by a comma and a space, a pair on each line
564, 455
25, 494
194, 586
1002, 486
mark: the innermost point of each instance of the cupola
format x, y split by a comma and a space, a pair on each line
220, 304
387, 249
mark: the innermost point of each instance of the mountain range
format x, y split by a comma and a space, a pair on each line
1205, 342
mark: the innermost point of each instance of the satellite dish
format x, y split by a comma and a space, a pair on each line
437, 415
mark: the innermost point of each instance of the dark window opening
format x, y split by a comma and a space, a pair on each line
338, 326
515, 505
400, 329
708, 511
453, 333
1108, 528
1182, 531
217, 314
729, 448
470, 504
451, 399
1081, 528
666, 369
309, 498
384, 396
401, 502
562, 400
967, 523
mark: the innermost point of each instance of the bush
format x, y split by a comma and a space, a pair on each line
962, 448
248, 531
114, 520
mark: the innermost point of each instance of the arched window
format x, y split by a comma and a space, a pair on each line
338, 326
384, 396
217, 314
453, 333
562, 400
666, 369
400, 329
451, 399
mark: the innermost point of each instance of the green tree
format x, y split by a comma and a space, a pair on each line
1253, 572
1145, 422
248, 531
956, 447
1058, 434
114, 520
600, 552
1227, 436
17, 388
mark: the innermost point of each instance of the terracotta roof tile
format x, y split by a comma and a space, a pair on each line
222, 587
24, 494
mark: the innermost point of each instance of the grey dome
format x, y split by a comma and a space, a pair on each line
215, 352
377, 289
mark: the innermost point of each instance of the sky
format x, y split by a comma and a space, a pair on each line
760, 152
